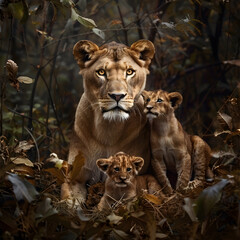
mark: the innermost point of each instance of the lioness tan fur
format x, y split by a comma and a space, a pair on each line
172, 148
109, 117
122, 182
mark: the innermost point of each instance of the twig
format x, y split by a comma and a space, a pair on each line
159, 212
191, 70
35, 142
25, 116
123, 23
4, 80
51, 77
54, 109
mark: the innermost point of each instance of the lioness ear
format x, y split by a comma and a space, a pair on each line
83, 51
175, 98
145, 50
103, 164
138, 162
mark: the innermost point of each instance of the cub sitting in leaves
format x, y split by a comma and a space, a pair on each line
173, 149
122, 182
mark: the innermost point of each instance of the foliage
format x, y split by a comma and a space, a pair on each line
197, 53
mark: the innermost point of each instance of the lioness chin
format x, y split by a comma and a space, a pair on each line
109, 117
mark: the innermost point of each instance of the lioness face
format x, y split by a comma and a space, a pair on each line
159, 103
114, 75
121, 168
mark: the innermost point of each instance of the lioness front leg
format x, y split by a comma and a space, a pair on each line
184, 171
77, 189
160, 170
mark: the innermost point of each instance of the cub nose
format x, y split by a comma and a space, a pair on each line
149, 107
123, 177
117, 97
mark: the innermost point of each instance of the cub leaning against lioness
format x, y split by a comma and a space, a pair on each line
173, 149
122, 182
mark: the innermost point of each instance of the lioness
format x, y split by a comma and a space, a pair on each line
122, 182
109, 117
172, 148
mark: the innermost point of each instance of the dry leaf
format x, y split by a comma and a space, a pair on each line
23, 146
161, 235
235, 62
57, 174
153, 199
188, 207
77, 165
54, 162
25, 79
23, 161
12, 69
22, 188
113, 218
226, 118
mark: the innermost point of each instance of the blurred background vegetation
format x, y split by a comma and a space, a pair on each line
196, 42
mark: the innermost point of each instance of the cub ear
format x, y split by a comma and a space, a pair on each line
145, 51
144, 95
83, 51
103, 164
175, 98
138, 163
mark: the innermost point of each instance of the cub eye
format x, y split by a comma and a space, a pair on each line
101, 72
117, 169
159, 100
148, 100
129, 169
130, 71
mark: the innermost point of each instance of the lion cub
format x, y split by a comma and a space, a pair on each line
122, 182
173, 149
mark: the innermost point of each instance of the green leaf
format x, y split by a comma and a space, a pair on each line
99, 32
87, 22
19, 10
22, 188
208, 198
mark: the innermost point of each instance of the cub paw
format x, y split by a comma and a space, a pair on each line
194, 184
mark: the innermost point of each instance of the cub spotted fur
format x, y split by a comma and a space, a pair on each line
109, 117
172, 148
122, 182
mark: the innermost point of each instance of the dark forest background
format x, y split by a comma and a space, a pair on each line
197, 53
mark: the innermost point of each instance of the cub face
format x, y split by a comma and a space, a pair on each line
159, 104
121, 168
114, 74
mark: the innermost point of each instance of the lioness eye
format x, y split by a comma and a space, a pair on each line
159, 100
101, 72
130, 71
116, 169
129, 169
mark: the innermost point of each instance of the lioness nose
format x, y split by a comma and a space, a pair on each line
116, 97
